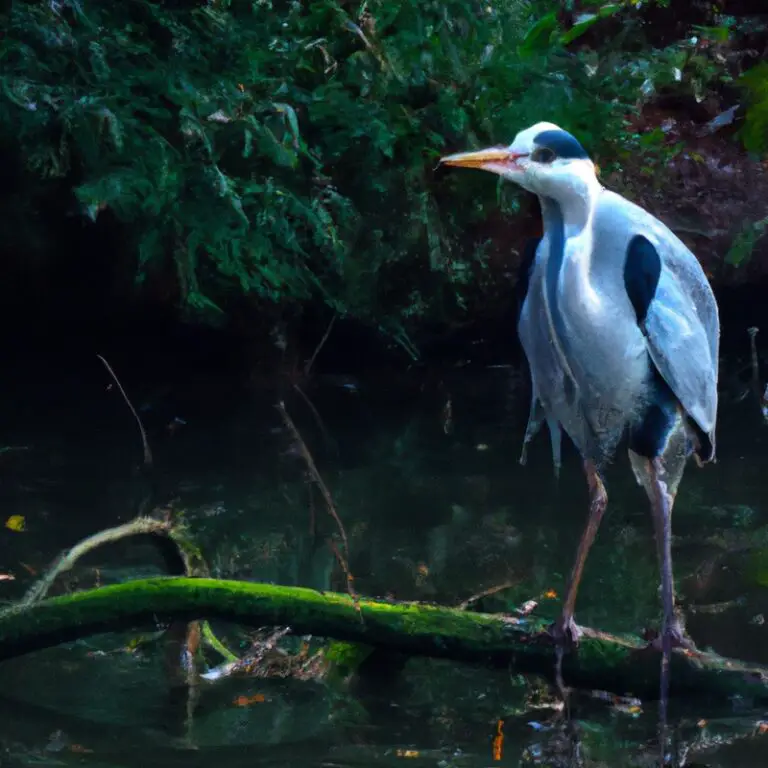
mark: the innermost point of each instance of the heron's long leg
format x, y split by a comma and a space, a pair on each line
598, 501
662, 501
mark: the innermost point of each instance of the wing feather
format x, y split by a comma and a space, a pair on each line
682, 329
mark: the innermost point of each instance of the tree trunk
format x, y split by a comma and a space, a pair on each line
601, 661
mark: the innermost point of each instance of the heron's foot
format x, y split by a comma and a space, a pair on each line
563, 633
678, 637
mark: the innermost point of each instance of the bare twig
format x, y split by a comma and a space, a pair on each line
254, 662
328, 439
462, 606
144, 440
347, 573
761, 396
310, 462
755, 364
311, 361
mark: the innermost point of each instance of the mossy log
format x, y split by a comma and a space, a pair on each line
602, 661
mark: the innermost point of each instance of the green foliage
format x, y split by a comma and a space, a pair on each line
547, 32
744, 244
285, 151
755, 130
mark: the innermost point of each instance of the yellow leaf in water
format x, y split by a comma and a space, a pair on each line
15, 523
498, 741
407, 753
80, 749
246, 701
550, 594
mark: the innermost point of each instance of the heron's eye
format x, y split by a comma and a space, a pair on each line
543, 155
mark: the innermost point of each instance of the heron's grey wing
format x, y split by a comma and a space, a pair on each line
678, 315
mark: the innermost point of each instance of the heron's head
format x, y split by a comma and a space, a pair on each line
544, 159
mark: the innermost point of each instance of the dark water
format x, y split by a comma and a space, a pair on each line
435, 509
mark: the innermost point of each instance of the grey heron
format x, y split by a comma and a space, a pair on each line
621, 332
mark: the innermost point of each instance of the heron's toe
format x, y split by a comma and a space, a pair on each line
565, 632
678, 636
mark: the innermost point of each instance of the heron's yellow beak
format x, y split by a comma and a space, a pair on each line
486, 159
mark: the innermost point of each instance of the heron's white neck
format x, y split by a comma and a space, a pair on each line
576, 196
568, 218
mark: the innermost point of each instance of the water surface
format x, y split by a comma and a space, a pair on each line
436, 508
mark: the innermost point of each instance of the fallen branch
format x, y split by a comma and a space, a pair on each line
602, 661
139, 526
181, 555
182, 637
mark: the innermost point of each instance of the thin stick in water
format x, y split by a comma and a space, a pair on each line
311, 362
144, 440
328, 439
310, 462
342, 557
755, 364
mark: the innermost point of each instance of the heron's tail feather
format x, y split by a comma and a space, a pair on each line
536, 418
555, 436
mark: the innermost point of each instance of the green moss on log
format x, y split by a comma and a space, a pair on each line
602, 661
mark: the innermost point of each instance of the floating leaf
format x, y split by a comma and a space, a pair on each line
527, 607
498, 741
15, 523
246, 701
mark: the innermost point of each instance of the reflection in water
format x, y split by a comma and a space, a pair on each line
436, 508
